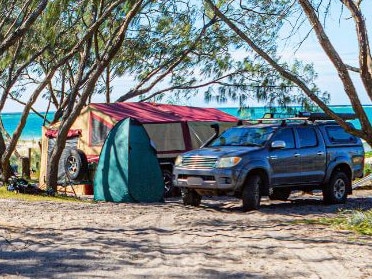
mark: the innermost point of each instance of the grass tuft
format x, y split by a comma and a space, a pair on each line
353, 220
5, 194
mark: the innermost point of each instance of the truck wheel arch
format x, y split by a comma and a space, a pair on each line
264, 190
341, 167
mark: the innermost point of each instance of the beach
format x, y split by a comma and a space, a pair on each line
169, 240
23, 146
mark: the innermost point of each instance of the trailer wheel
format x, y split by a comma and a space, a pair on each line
169, 189
168, 183
76, 165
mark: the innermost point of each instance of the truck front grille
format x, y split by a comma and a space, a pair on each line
198, 162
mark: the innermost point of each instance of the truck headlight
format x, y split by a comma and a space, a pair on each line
228, 162
178, 160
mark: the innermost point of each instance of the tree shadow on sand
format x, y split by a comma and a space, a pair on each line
120, 250
299, 205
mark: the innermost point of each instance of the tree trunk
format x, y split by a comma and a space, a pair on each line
341, 68
108, 91
6, 170
71, 115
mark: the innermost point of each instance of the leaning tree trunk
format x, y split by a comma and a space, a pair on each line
6, 170
99, 67
366, 127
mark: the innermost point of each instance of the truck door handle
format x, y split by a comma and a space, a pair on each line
320, 153
274, 157
297, 155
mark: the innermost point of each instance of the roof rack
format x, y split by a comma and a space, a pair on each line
322, 116
303, 117
279, 115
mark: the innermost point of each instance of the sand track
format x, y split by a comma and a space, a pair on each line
215, 240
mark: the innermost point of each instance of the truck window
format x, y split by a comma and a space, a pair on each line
285, 135
244, 136
307, 137
337, 134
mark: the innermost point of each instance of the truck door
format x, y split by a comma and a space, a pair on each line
312, 154
285, 162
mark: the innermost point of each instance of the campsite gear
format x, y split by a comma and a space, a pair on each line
173, 129
21, 185
128, 169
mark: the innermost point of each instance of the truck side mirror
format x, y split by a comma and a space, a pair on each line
278, 144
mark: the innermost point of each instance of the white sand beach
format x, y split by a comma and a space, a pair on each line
23, 146
169, 240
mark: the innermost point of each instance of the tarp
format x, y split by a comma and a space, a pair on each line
128, 169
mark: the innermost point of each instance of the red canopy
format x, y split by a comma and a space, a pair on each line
162, 113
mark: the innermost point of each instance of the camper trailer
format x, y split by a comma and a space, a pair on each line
172, 129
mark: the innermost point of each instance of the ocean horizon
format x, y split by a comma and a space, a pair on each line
32, 130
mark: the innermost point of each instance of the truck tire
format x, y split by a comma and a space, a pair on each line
336, 190
76, 165
190, 197
280, 194
251, 193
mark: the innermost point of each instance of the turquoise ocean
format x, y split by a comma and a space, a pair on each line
32, 130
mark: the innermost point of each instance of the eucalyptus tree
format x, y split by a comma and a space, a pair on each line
59, 42
235, 15
38, 42
92, 62
188, 50
18, 18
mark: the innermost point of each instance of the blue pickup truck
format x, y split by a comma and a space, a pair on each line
272, 158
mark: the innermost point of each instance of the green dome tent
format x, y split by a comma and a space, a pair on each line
128, 169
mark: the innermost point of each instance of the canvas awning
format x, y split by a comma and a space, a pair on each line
147, 113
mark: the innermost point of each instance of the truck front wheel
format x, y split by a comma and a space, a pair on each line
251, 193
336, 190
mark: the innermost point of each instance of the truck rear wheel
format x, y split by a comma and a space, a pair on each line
251, 193
190, 197
336, 190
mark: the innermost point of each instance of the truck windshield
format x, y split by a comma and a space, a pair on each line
244, 136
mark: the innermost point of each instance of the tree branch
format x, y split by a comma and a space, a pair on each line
19, 32
172, 65
352, 68
285, 73
339, 65
365, 59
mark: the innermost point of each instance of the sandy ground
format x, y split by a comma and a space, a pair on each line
169, 240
